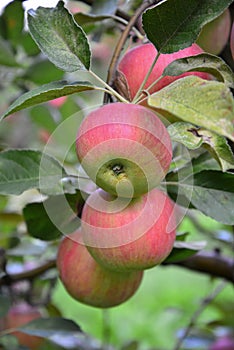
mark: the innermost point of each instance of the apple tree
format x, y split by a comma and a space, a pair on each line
117, 175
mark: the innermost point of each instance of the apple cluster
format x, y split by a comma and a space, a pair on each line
128, 224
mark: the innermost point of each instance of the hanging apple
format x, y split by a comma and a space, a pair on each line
87, 281
124, 148
125, 235
136, 62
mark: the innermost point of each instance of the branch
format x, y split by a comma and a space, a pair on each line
7, 279
211, 263
204, 303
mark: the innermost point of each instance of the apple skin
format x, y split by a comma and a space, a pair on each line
223, 343
124, 235
58, 102
232, 41
124, 148
17, 316
214, 35
136, 62
88, 282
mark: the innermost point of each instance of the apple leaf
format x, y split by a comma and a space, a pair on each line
48, 327
7, 57
183, 250
193, 137
85, 18
12, 21
208, 104
46, 93
173, 25
211, 192
203, 63
60, 38
44, 220
21, 170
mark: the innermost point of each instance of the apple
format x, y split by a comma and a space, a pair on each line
125, 235
88, 282
124, 148
58, 102
17, 316
136, 62
214, 35
223, 343
232, 41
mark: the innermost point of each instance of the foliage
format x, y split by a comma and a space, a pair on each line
71, 53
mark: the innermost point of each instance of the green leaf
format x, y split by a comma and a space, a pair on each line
7, 57
208, 104
85, 18
212, 192
21, 170
46, 93
49, 327
183, 250
193, 137
34, 72
44, 220
203, 63
60, 38
12, 20
173, 25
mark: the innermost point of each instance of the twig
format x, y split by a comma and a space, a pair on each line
123, 39
204, 303
9, 279
211, 263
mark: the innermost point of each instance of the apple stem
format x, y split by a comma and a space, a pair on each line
109, 88
106, 327
145, 79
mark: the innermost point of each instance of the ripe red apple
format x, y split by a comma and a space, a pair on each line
136, 63
125, 235
124, 148
215, 34
87, 281
17, 316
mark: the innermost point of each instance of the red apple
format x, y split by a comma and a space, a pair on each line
136, 63
215, 34
58, 102
223, 343
17, 316
232, 41
125, 235
124, 148
87, 281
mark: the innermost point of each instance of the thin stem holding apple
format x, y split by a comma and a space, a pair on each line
109, 89
145, 79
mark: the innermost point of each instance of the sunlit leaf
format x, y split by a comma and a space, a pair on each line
46, 93
21, 170
61, 39
193, 137
208, 104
